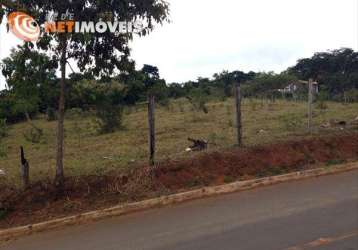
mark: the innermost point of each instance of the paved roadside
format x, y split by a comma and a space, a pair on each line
319, 213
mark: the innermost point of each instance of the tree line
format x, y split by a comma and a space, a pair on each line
34, 88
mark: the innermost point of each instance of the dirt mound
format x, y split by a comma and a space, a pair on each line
42, 201
214, 168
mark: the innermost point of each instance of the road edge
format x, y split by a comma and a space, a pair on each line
13, 233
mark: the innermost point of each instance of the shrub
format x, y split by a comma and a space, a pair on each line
34, 135
334, 162
3, 153
198, 100
74, 113
51, 114
3, 128
322, 105
109, 118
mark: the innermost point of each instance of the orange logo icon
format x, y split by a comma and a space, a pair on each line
24, 26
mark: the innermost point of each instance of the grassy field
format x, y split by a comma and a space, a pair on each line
87, 153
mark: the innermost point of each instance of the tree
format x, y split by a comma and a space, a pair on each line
97, 53
28, 74
136, 89
336, 71
225, 80
176, 90
154, 85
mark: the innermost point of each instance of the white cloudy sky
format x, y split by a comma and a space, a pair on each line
207, 36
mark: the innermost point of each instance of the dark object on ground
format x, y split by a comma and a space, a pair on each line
198, 145
334, 123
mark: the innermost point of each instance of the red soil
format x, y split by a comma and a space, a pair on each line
42, 201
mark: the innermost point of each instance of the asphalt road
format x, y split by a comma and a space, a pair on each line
320, 213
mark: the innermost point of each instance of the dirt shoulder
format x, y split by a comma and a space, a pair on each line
81, 194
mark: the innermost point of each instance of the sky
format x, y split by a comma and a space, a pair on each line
206, 36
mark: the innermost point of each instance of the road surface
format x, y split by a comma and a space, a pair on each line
320, 213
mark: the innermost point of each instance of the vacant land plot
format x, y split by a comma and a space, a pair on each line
87, 153
41, 201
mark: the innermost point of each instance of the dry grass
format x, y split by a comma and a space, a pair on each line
89, 153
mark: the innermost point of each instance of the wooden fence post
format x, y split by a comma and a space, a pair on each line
310, 103
238, 113
25, 170
151, 122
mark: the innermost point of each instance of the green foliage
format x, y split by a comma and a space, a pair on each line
28, 74
3, 128
74, 113
160, 91
198, 100
107, 99
98, 54
33, 135
322, 105
109, 118
3, 213
334, 162
229, 179
3, 153
3, 133
336, 71
51, 114
351, 95
226, 80
266, 84
88, 49
176, 90
321, 99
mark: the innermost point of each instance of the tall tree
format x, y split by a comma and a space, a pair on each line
336, 70
98, 53
28, 74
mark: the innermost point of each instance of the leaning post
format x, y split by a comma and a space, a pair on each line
151, 123
310, 104
238, 113
24, 170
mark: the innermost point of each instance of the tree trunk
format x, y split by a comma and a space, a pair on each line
59, 179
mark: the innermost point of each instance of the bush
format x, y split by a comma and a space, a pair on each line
51, 114
109, 118
34, 135
3, 128
322, 105
74, 113
198, 99
3, 153
352, 95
